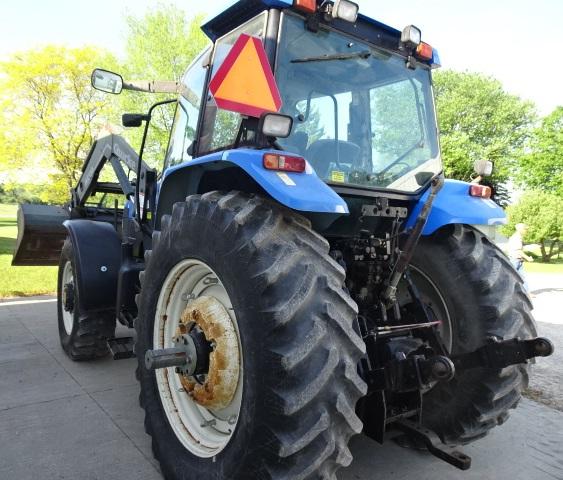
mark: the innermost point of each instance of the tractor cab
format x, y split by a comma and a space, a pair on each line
359, 93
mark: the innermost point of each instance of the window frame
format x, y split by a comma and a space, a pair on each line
200, 61
205, 128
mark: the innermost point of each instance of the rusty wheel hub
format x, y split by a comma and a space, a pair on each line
208, 325
197, 358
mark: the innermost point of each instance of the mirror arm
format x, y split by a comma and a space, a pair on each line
156, 86
140, 157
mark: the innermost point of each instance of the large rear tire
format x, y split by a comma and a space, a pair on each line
83, 335
484, 298
298, 349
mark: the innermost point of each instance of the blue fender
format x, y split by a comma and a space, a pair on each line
299, 191
453, 204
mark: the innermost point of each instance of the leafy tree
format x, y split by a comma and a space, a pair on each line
51, 114
479, 120
541, 211
160, 46
542, 167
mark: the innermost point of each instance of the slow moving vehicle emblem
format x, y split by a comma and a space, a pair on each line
244, 83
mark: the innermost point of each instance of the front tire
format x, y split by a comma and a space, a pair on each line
83, 335
299, 350
484, 299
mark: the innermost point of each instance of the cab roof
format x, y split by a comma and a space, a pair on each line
242, 10
365, 28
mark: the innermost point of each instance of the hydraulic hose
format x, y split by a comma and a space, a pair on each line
407, 252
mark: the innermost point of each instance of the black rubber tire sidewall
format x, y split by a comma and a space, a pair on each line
67, 255
249, 448
485, 297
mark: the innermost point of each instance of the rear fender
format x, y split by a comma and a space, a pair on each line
304, 192
97, 254
453, 204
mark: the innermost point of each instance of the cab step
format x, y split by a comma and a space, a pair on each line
122, 347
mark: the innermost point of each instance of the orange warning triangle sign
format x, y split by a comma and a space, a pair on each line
244, 83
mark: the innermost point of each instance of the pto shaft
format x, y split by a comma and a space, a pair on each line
166, 357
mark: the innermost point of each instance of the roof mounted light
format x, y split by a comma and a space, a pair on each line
309, 6
345, 10
411, 37
424, 51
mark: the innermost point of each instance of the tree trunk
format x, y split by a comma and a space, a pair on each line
544, 255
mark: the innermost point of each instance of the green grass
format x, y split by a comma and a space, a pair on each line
20, 281
25, 281
556, 267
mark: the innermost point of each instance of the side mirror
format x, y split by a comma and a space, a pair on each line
134, 119
483, 168
105, 81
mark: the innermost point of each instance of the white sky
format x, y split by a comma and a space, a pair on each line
516, 41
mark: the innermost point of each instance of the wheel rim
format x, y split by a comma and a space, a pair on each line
203, 431
68, 313
433, 298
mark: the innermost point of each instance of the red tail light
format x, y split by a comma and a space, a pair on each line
480, 191
285, 163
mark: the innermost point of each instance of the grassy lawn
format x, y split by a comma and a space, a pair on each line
556, 267
20, 281
25, 281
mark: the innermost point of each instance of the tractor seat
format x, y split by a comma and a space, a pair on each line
297, 142
322, 155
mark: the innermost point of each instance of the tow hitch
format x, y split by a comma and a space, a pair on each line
415, 373
502, 353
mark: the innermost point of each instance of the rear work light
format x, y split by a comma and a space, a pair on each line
345, 10
309, 6
284, 163
410, 37
424, 51
480, 191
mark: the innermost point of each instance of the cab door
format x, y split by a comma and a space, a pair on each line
183, 137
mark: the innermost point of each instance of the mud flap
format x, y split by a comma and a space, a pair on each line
41, 235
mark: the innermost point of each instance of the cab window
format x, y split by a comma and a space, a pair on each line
223, 125
187, 111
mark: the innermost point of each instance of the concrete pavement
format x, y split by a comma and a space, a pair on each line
546, 383
66, 420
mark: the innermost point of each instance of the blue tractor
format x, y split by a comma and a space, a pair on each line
297, 269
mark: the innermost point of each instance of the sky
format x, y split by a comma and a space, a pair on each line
515, 41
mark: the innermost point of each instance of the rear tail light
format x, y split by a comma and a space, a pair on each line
284, 163
480, 191
309, 6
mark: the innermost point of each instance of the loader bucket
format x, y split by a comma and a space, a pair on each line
41, 234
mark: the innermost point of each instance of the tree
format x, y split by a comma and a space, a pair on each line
479, 120
50, 112
160, 46
541, 211
542, 167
